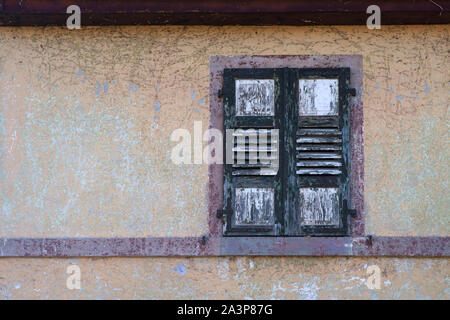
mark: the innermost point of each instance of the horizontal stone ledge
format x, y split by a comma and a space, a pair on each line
226, 246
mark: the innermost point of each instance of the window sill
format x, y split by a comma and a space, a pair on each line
226, 246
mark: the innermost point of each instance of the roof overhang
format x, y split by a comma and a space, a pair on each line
222, 12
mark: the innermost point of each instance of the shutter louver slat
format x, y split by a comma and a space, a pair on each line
309, 141
251, 153
321, 163
318, 172
312, 155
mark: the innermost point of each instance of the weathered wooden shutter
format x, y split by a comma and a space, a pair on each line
318, 196
252, 181
305, 115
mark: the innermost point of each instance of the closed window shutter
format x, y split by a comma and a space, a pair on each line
320, 162
298, 183
252, 179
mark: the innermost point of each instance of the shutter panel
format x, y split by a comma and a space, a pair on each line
320, 161
252, 179
298, 183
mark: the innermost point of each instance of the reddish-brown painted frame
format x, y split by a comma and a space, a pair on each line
354, 62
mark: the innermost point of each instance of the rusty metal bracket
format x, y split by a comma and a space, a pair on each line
369, 240
351, 212
352, 92
222, 213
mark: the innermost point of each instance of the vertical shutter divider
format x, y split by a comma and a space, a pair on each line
344, 93
290, 122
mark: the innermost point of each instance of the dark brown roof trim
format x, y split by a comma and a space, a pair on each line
222, 12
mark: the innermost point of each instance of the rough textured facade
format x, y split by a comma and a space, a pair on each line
85, 124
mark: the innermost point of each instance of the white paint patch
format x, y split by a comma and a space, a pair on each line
223, 270
318, 97
319, 206
255, 97
254, 206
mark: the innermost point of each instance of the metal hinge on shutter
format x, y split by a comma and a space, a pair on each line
351, 212
221, 214
352, 92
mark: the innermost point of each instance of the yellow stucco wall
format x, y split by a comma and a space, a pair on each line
225, 278
85, 121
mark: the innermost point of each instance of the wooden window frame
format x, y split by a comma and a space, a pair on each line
343, 66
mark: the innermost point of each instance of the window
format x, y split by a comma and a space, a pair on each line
287, 151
